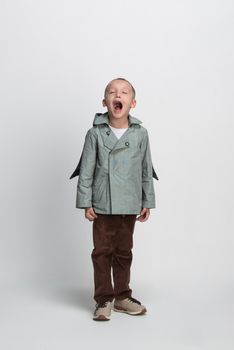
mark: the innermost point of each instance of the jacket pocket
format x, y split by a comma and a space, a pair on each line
99, 187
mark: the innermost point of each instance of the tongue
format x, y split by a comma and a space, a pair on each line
118, 106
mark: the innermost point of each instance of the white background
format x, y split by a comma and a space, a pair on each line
56, 59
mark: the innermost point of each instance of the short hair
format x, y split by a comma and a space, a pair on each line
133, 90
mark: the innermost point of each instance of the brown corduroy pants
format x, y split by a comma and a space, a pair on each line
113, 243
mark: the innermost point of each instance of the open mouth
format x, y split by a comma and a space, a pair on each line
117, 105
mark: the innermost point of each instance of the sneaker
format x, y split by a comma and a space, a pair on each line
130, 306
102, 311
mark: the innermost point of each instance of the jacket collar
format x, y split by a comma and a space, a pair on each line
109, 138
102, 118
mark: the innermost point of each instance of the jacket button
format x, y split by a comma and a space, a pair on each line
127, 144
108, 132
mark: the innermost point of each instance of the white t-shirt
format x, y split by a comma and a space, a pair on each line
118, 131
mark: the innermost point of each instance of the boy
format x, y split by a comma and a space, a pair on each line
115, 185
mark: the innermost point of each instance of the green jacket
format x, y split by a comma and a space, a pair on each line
115, 175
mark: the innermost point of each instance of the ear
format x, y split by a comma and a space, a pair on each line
104, 103
133, 103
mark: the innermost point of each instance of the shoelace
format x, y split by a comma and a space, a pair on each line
132, 300
101, 305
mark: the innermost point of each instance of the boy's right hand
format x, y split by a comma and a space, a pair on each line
90, 214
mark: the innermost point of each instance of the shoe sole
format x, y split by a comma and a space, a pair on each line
142, 312
101, 318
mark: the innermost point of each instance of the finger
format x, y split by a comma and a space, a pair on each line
92, 212
141, 218
89, 216
145, 217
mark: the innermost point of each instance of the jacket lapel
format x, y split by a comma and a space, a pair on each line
109, 138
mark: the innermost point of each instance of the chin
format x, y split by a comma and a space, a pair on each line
119, 114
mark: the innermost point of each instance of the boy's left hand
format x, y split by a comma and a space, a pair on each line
144, 215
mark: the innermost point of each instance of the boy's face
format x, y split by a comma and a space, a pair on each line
119, 99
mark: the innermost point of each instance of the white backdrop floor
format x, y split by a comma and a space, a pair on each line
61, 319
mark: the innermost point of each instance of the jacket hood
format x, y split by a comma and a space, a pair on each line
102, 118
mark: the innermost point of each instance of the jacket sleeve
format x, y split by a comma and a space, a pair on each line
148, 194
86, 171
